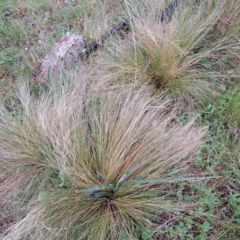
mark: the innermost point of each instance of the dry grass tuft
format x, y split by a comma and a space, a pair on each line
169, 55
94, 164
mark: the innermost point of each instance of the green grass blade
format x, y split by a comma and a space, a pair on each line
103, 194
103, 177
128, 173
97, 188
168, 180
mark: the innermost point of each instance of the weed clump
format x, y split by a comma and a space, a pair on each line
90, 164
170, 55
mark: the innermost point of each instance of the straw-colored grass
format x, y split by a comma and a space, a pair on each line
170, 55
90, 164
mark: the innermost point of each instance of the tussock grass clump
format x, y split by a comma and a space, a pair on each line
92, 164
171, 55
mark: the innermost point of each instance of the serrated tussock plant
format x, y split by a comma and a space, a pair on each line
94, 163
169, 54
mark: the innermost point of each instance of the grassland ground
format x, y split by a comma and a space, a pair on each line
170, 81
